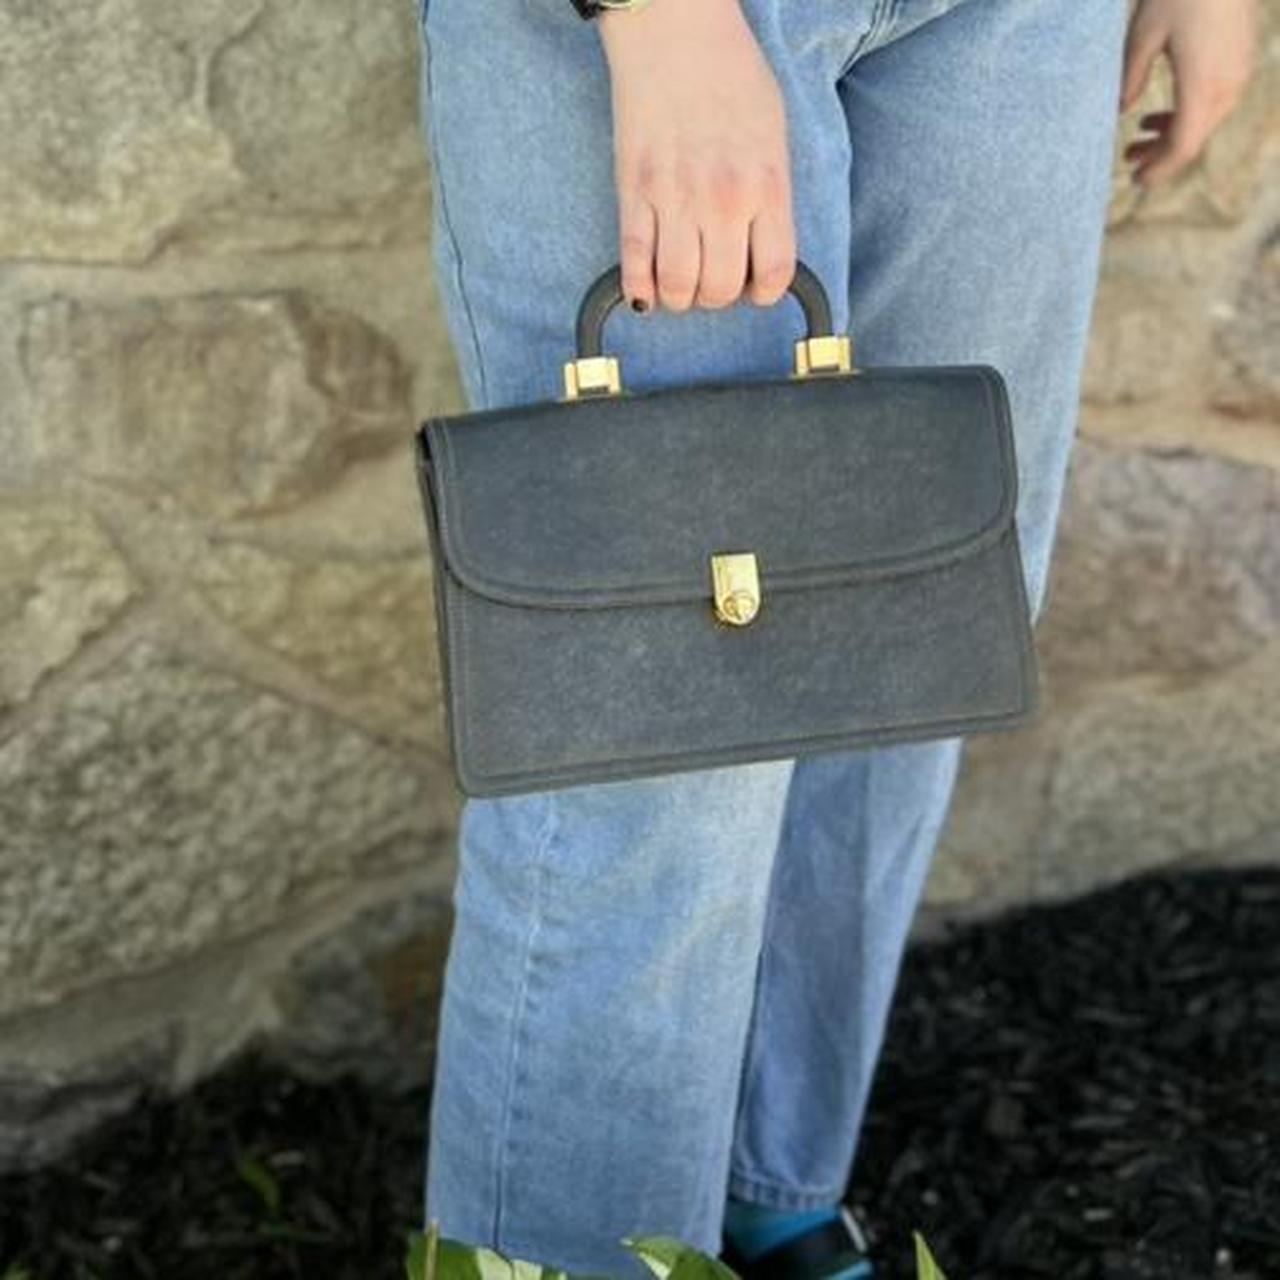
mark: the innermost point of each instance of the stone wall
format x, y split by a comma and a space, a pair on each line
225, 804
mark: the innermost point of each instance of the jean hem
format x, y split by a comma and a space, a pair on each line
777, 1195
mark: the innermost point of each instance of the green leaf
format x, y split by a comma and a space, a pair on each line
16, 1272
926, 1267
459, 1261
435, 1257
672, 1259
420, 1260
415, 1259
658, 1253
261, 1179
693, 1264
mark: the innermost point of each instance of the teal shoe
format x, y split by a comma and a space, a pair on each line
835, 1250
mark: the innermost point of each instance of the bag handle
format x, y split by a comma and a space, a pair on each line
820, 351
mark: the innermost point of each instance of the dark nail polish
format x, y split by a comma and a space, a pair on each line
639, 304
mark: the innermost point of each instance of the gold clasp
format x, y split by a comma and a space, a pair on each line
735, 579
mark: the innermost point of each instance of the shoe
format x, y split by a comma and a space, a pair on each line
834, 1248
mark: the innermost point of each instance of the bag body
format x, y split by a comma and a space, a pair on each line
632, 584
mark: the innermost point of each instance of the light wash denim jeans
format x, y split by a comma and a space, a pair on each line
664, 991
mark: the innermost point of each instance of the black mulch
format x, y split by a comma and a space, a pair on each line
1090, 1090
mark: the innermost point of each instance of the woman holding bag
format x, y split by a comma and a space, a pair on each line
664, 998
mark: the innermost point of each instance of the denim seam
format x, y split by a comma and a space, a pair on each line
759, 1002
861, 871
446, 221
519, 1024
867, 40
784, 1195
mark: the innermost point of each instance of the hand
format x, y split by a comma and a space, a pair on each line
1211, 46
700, 155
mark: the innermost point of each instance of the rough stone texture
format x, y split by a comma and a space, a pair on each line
1162, 622
61, 580
365, 998
1147, 338
374, 512
986, 858
301, 84
366, 630
1247, 371
1151, 772
135, 124
166, 805
1164, 563
232, 404
221, 752
43, 1113
65, 1067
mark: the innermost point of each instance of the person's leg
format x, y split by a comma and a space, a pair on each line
981, 135
598, 989
599, 982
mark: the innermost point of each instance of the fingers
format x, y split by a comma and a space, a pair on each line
725, 229
679, 256
772, 242
681, 249
1173, 141
637, 234
705, 236
1177, 138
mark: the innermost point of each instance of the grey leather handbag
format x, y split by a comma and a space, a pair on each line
638, 583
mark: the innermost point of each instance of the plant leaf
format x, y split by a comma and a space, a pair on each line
262, 1180
431, 1245
420, 1261
693, 1264
458, 1261
926, 1267
658, 1253
415, 1258
432, 1256
672, 1259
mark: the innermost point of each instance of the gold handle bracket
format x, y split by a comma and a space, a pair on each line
828, 353
591, 376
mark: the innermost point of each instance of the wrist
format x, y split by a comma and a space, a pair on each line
619, 25
622, 30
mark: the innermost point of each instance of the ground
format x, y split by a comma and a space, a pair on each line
1085, 1091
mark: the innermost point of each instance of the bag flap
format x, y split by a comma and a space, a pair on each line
622, 500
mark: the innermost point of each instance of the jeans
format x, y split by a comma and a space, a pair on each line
661, 992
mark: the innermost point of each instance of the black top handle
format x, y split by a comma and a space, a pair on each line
605, 293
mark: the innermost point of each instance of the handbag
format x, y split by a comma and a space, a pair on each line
628, 584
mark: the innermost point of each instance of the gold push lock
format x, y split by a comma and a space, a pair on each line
735, 580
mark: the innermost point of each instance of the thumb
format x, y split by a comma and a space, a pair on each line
1145, 40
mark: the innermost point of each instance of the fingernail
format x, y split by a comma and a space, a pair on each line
639, 304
